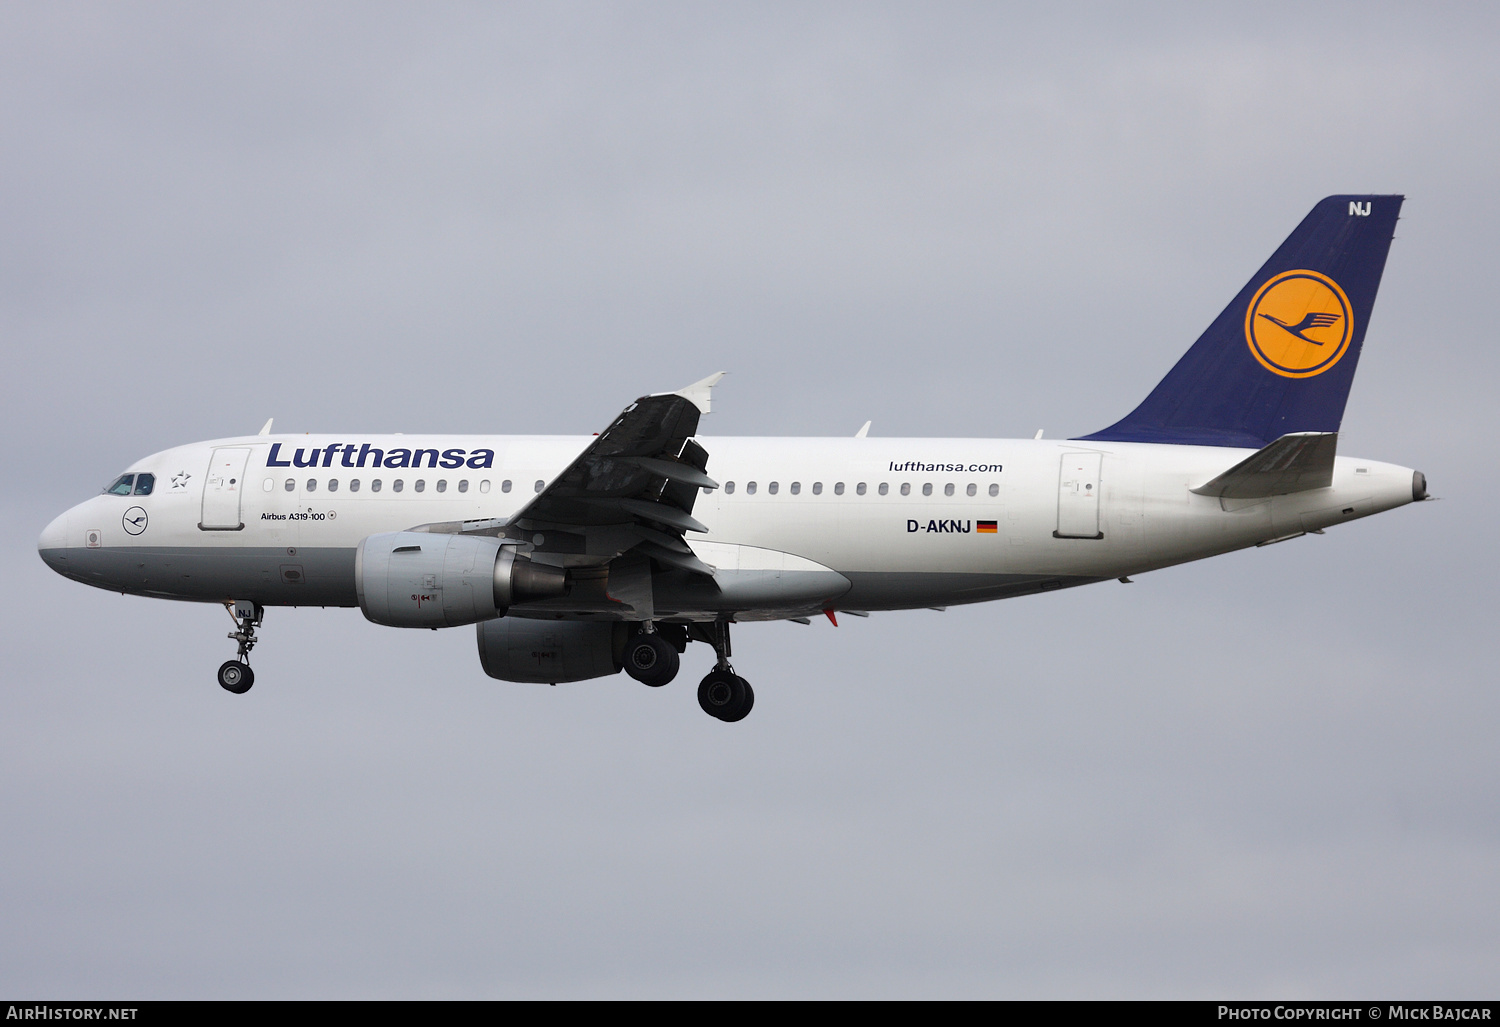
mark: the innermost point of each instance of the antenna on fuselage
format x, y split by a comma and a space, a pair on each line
265, 429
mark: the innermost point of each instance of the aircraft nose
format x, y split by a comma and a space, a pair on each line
53, 543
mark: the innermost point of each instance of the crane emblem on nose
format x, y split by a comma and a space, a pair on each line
134, 520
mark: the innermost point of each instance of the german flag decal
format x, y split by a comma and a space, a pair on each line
985, 527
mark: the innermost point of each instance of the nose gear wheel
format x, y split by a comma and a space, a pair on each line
235, 675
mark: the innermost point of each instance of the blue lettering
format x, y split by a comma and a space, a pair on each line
341, 454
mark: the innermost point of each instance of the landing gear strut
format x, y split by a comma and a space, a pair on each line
235, 675
723, 693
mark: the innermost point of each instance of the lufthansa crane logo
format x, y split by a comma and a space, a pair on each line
1299, 324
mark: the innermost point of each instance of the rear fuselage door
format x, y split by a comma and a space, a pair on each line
222, 488
1078, 496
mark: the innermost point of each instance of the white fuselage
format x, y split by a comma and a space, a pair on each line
907, 522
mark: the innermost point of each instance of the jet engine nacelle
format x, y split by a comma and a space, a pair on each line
413, 579
549, 651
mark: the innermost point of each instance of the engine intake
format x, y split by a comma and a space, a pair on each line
411, 579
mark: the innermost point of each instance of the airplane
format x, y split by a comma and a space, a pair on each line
578, 557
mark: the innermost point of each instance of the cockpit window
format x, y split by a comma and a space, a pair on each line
144, 484
121, 486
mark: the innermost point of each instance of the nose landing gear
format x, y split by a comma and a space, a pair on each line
235, 675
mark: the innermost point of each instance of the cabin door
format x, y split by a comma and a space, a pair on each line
222, 487
1078, 496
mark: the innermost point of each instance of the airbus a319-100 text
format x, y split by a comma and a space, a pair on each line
577, 557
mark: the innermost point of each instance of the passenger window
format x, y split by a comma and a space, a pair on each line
948, 489
420, 485
771, 488
397, 485
504, 486
333, 484
442, 486
859, 489
817, 488
729, 488
838, 489
796, 488
268, 485
540, 485
484, 485
312, 484
750, 488
884, 488
353, 484
463, 485
994, 490
375, 485
927, 489
906, 488
972, 489
290, 486
143, 484
122, 486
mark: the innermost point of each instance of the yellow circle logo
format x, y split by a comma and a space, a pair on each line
1299, 324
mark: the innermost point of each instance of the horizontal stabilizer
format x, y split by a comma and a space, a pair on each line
1293, 463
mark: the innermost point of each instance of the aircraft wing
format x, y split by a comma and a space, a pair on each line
633, 488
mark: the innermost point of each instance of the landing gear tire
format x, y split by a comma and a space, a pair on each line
236, 677
651, 660
726, 695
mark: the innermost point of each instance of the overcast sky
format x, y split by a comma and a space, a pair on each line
1269, 774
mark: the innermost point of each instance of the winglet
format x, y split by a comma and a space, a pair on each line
265, 429
698, 392
863, 432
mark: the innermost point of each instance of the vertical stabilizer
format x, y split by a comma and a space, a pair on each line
1281, 356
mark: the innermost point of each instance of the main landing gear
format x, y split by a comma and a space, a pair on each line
651, 657
235, 675
723, 693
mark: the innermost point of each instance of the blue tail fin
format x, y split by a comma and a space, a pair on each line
1281, 356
